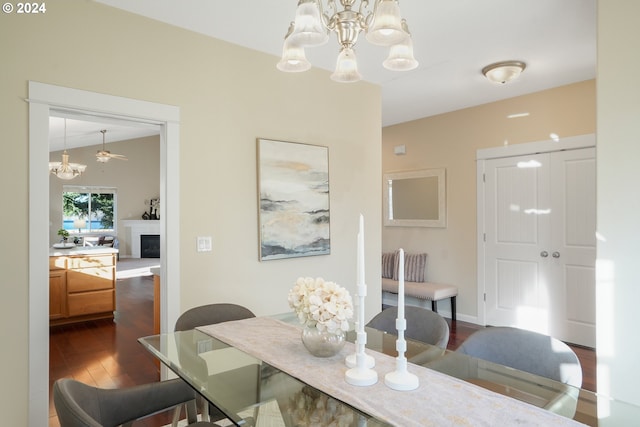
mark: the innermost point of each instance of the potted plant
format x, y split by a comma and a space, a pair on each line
64, 234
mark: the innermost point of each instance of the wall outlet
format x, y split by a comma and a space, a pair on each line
204, 244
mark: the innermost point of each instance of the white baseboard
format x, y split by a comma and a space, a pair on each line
392, 299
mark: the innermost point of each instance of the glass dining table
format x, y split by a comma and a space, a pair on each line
250, 391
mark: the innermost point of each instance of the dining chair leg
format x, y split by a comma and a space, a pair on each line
205, 408
192, 411
176, 416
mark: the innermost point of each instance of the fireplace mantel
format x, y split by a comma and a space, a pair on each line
135, 228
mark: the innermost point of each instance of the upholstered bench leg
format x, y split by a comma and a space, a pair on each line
434, 307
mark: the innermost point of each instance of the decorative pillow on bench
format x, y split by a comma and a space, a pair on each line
414, 266
389, 265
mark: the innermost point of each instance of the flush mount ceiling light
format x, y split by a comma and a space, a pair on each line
503, 72
64, 169
316, 18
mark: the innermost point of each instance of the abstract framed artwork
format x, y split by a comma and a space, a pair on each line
293, 197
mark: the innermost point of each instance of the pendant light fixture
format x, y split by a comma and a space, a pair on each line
64, 169
316, 18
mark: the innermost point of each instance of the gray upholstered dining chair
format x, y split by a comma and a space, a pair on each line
527, 351
210, 314
81, 405
422, 325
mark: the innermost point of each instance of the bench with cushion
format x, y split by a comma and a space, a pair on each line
414, 283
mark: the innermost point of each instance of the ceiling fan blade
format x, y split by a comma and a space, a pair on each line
104, 156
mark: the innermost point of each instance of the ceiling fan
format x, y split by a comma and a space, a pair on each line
103, 156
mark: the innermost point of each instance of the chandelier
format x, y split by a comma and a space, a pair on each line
64, 169
313, 23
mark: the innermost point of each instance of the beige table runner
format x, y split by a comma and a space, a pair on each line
440, 400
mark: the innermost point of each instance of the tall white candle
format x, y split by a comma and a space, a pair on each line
360, 254
401, 285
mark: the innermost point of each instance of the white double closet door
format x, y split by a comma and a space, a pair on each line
539, 243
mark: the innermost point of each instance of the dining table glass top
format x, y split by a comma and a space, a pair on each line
247, 389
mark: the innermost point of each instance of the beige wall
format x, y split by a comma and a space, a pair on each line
222, 113
618, 270
228, 96
136, 179
450, 141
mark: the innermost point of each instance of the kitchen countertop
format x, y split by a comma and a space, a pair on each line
82, 250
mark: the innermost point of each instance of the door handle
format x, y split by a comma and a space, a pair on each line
544, 254
556, 254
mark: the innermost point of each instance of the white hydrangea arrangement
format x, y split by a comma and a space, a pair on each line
324, 305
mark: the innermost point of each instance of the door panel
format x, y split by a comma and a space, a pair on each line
539, 246
515, 198
573, 177
516, 191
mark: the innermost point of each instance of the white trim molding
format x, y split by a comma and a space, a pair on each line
44, 98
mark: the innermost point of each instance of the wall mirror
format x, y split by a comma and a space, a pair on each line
415, 198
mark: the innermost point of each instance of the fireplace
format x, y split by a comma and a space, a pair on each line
133, 230
149, 246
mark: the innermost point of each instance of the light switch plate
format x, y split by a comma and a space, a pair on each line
399, 150
204, 244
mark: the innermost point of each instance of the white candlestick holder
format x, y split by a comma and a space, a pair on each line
401, 379
361, 336
361, 364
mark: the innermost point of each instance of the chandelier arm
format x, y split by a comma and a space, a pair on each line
289, 30
405, 26
329, 21
362, 10
324, 18
371, 14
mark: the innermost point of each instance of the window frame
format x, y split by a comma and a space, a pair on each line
90, 190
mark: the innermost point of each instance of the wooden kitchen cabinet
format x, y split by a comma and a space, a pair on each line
82, 285
57, 294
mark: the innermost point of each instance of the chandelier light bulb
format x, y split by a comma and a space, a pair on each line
293, 59
308, 29
401, 57
346, 67
386, 26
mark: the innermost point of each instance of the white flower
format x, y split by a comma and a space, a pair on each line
325, 305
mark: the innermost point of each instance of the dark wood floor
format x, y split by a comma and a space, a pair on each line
106, 353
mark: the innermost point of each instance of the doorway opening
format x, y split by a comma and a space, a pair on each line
44, 98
